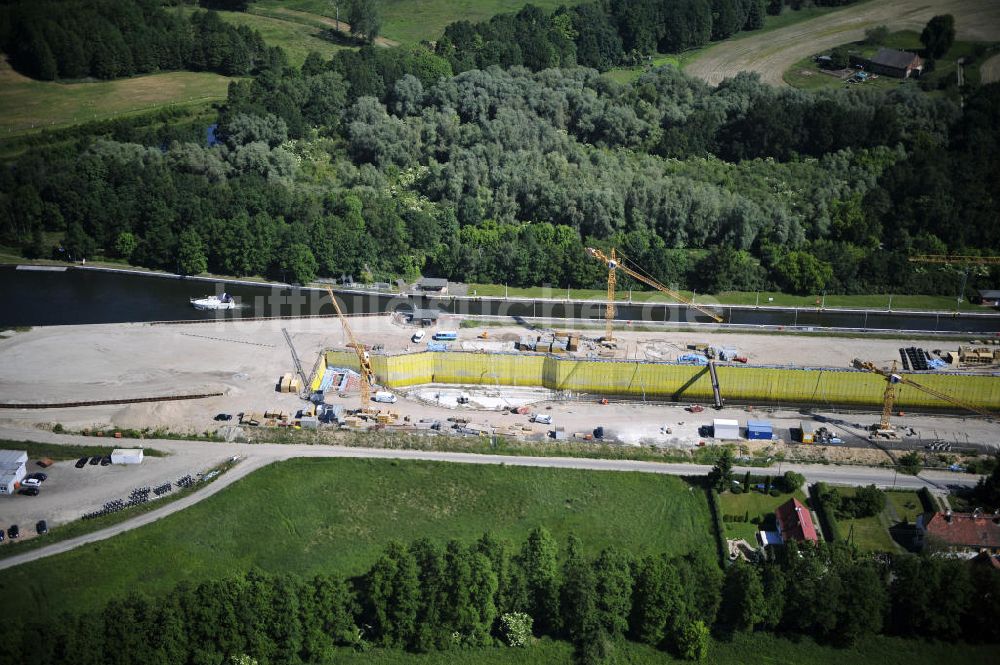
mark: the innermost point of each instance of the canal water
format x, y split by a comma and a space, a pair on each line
75, 296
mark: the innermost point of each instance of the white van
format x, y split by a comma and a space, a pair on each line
543, 418
418, 337
384, 397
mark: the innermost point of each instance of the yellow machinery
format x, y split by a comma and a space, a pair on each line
614, 264
892, 379
364, 361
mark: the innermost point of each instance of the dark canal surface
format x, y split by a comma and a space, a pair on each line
75, 296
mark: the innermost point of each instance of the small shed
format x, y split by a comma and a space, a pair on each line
126, 456
759, 429
893, 62
425, 317
807, 432
433, 285
989, 297
725, 429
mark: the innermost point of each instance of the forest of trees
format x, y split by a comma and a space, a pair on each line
383, 162
602, 34
427, 597
506, 175
107, 39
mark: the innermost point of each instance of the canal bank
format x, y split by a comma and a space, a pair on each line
77, 295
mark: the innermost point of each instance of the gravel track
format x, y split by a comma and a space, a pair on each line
772, 53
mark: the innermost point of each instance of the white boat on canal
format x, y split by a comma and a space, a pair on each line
225, 301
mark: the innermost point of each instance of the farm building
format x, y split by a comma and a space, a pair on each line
961, 532
12, 469
759, 429
433, 285
795, 522
126, 456
725, 429
900, 64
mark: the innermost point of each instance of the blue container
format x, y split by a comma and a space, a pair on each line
759, 429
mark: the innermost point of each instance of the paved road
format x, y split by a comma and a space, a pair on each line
255, 456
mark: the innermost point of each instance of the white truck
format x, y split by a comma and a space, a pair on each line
384, 397
542, 418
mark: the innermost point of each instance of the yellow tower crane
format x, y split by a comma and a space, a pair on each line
364, 360
892, 379
615, 262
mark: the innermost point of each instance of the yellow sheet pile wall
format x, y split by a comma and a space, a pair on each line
761, 385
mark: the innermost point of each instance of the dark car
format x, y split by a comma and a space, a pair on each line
82, 462
223, 417
29, 491
13, 532
96, 459
41, 477
3, 537
106, 460
42, 528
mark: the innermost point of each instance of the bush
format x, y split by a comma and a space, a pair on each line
877, 35
737, 489
775, 492
516, 628
58, 429
792, 481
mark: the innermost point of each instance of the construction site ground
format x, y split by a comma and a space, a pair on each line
245, 360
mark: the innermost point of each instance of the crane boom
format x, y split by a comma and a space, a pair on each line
614, 264
364, 361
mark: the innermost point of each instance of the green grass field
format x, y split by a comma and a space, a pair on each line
312, 515
414, 20
763, 298
756, 648
679, 60
28, 106
297, 37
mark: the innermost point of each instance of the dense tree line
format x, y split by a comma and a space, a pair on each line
106, 39
599, 34
427, 597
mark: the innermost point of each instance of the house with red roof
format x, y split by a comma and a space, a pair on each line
795, 522
961, 532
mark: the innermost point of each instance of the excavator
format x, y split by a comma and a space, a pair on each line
884, 427
616, 262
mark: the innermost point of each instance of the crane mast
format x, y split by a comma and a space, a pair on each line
614, 263
364, 360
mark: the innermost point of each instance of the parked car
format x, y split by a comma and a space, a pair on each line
13, 532
2, 536
384, 397
418, 337
223, 417
106, 460
42, 528
82, 462
31, 482
29, 491
95, 460
543, 418
39, 476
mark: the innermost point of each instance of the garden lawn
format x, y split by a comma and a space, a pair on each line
903, 506
322, 515
767, 649
757, 505
870, 533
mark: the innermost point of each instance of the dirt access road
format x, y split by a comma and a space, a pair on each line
772, 53
255, 456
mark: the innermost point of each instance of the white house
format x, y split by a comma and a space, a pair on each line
12, 469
